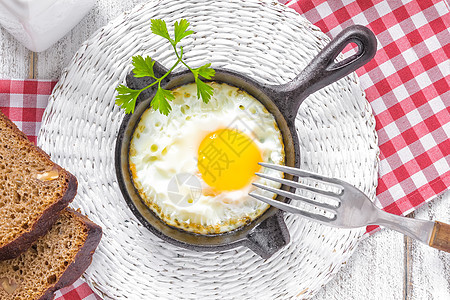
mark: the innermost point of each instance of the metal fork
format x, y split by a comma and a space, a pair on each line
351, 207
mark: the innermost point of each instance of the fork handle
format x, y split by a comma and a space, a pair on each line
435, 234
440, 237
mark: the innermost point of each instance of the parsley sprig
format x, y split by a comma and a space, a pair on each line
143, 67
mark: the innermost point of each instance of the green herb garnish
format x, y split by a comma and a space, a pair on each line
143, 67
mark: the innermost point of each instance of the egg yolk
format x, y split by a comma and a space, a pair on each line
228, 159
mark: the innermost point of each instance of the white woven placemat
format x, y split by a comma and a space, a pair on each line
261, 39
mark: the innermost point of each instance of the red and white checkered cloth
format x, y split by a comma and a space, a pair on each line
24, 102
407, 85
77, 291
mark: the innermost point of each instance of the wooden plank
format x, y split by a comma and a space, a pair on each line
375, 271
428, 268
32, 65
14, 58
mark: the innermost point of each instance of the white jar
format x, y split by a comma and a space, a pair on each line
38, 24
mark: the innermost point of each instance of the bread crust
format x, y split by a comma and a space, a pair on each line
82, 259
42, 225
49, 216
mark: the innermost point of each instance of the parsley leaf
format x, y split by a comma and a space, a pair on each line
161, 101
127, 98
159, 27
204, 91
181, 30
206, 71
143, 66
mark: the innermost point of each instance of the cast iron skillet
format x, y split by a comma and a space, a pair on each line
268, 233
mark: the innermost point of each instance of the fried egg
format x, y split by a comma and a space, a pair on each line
194, 167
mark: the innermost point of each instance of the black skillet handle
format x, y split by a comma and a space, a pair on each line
323, 70
269, 236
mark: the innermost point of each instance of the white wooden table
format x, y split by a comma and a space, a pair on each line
384, 266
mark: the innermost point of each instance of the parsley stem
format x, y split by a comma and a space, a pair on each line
180, 56
158, 80
174, 66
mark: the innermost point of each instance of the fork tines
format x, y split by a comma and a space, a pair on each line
304, 174
327, 207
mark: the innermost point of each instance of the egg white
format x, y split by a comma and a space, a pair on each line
164, 146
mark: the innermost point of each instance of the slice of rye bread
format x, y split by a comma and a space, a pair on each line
56, 260
33, 191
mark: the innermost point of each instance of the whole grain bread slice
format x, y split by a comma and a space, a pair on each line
33, 191
56, 260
